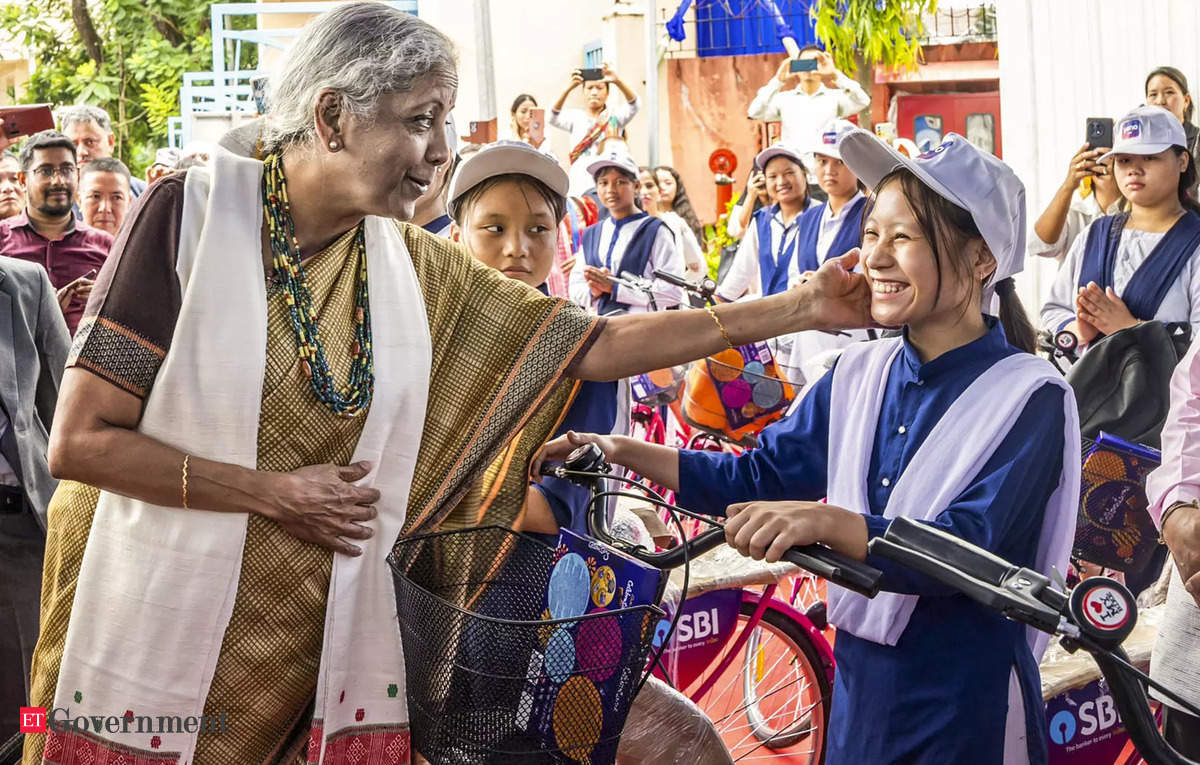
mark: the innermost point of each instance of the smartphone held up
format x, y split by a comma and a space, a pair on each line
1099, 132
803, 65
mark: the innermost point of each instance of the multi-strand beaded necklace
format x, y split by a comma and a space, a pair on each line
354, 397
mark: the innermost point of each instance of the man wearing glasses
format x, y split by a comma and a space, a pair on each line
46, 232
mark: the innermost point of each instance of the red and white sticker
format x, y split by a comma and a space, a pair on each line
1105, 608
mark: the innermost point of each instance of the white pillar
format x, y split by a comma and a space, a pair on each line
650, 108
485, 73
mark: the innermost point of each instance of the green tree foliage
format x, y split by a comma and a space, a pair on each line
884, 32
126, 56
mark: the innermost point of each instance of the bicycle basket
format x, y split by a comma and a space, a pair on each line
659, 387
736, 393
490, 677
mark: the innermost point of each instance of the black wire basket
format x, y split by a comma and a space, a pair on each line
491, 678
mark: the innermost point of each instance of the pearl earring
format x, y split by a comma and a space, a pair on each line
333, 145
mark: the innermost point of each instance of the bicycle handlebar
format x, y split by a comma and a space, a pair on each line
704, 289
1097, 616
587, 466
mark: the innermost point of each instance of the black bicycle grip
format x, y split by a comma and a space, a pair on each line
837, 568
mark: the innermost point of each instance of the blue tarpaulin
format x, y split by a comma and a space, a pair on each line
738, 27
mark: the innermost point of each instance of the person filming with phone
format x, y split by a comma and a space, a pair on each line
592, 126
1088, 192
805, 94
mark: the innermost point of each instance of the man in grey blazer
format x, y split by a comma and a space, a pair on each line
33, 349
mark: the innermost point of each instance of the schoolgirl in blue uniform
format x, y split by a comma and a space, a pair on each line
834, 227
627, 242
954, 424
766, 253
507, 200
1140, 265
826, 231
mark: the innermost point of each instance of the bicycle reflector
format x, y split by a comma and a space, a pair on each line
1104, 610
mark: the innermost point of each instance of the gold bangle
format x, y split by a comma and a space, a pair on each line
185, 464
720, 326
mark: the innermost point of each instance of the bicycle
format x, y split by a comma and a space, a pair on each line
475, 638
1096, 616
760, 668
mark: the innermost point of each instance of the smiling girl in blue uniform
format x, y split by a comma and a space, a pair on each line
949, 424
765, 255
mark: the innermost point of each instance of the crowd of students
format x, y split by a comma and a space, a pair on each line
951, 420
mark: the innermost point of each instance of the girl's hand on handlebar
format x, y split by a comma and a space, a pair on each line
766, 530
560, 448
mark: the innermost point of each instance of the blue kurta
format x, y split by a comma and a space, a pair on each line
941, 694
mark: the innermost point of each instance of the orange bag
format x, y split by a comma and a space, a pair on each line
736, 393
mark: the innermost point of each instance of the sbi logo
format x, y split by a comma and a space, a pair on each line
1062, 727
1094, 717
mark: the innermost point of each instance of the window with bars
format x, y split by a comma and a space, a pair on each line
593, 54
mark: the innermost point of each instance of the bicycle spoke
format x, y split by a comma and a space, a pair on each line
801, 679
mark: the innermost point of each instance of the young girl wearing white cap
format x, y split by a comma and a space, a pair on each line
949, 424
834, 227
506, 201
764, 256
628, 242
1139, 265
828, 230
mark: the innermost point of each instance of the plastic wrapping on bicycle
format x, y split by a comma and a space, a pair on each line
1019, 593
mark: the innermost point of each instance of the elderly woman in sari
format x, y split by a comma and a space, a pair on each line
242, 438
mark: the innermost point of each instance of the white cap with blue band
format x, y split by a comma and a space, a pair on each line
831, 135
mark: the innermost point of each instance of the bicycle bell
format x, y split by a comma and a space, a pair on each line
1104, 610
586, 459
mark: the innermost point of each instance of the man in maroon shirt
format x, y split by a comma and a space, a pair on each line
47, 232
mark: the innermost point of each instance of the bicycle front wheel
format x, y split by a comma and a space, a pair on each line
772, 701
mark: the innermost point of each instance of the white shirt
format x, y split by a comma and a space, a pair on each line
1182, 302
577, 122
1083, 210
804, 116
8, 476
742, 279
685, 242
663, 257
